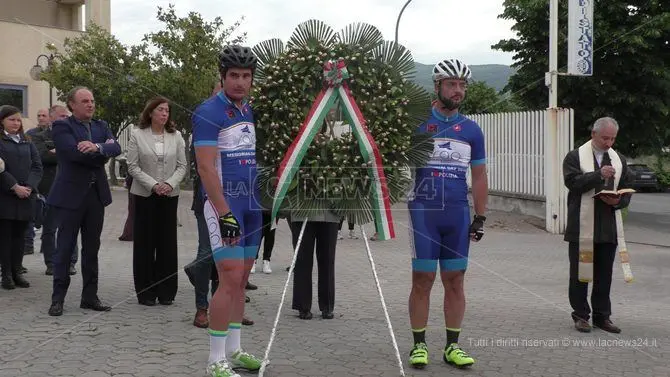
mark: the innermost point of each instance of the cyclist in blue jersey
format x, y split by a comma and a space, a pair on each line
224, 138
440, 213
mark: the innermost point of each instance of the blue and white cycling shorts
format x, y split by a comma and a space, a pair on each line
250, 217
439, 233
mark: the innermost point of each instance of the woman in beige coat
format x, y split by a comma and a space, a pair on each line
157, 163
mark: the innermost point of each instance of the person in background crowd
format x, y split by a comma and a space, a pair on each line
157, 162
352, 230
127, 234
80, 194
42, 124
18, 189
44, 143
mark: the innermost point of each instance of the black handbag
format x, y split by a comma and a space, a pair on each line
40, 210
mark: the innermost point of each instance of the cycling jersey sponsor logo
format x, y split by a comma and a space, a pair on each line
457, 128
449, 152
431, 128
231, 114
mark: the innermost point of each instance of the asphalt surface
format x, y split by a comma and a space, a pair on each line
649, 219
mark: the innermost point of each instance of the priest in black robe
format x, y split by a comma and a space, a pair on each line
592, 223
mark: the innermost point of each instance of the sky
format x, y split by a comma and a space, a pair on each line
432, 29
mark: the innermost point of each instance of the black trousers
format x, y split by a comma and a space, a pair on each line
323, 235
88, 218
603, 262
12, 234
268, 236
351, 225
155, 247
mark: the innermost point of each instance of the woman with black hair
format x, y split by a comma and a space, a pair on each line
18, 190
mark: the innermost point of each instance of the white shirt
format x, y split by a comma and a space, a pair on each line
16, 138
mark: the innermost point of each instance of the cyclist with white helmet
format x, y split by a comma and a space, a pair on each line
224, 138
440, 213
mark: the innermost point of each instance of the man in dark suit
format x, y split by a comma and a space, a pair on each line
43, 140
80, 194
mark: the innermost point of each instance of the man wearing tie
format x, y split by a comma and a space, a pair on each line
80, 194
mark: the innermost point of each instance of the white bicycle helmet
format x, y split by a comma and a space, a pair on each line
451, 69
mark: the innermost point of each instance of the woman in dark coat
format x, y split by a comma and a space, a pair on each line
18, 189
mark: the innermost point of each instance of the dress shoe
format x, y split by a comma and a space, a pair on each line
608, 326
247, 322
8, 282
201, 320
327, 315
582, 325
56, 309
21, 282
305, 315
165, 302
49, 271
251, 287
95, 305
247, 299
147, 302
73, 270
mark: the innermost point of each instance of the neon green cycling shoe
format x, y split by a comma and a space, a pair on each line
418, 357
454, 355
220, 369
243, 360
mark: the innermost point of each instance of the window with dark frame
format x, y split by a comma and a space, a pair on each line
15, 95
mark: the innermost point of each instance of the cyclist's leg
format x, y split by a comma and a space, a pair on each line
453, 263
230, 266
251, 224
425, 248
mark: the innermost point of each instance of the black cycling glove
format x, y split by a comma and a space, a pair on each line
477, 227
230, 228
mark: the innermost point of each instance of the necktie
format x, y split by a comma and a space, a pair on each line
88, 130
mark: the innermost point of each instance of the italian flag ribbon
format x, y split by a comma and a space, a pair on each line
335, 73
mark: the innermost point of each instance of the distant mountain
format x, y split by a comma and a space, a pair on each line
495, 75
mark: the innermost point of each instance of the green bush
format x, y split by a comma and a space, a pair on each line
663, 179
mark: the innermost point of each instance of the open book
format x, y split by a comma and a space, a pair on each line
614, 193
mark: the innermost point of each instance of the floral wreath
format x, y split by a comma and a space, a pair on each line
333, 175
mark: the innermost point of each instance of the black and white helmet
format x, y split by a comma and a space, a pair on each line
234, 56
451, 69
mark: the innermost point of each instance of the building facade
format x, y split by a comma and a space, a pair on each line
26, 28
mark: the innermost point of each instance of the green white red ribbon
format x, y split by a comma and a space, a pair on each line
334, 75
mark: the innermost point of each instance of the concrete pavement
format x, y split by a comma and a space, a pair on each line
517, 321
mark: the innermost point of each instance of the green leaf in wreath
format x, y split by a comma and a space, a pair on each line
398, 57
364, 37
310, 34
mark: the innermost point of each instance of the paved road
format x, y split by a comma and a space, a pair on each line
517, 321
649, 218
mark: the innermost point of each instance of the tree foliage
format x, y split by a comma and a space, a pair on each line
183, 57
178, 62
481, 98
98, 60
631, 80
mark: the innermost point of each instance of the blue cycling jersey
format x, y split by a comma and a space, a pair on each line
439, 211
219, 122
458, 144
